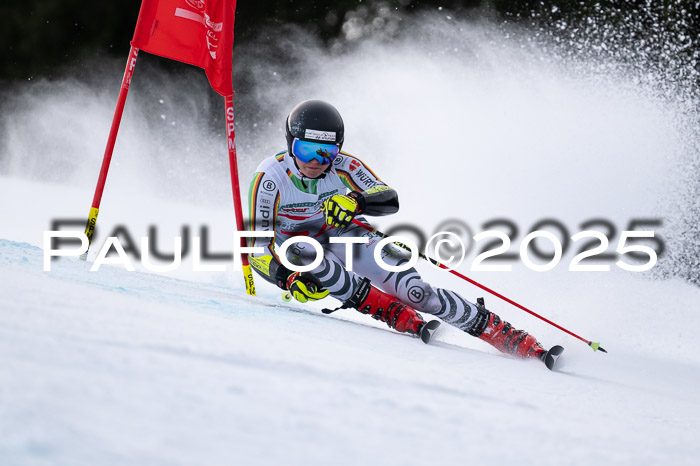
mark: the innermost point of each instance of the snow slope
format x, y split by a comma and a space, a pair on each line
128, 368
117, 367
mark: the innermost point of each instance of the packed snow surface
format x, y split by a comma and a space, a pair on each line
118, 367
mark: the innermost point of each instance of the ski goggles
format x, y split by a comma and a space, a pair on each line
307, 151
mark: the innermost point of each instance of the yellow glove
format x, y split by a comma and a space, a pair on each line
304, 286
340, 210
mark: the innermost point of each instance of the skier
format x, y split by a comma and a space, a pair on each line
314, 189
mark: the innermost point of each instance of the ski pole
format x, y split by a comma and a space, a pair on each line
593, 344
109, 149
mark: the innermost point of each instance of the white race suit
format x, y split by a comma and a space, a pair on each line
287, 203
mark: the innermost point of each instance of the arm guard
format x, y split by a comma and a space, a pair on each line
377, 201
271, 269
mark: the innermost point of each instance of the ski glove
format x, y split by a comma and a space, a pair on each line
304, 286
341, 209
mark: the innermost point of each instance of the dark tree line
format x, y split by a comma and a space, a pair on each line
39, 36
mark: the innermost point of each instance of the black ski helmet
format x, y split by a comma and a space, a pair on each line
314, 121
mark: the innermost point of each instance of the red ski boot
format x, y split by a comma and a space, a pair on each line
502, 336
382, 306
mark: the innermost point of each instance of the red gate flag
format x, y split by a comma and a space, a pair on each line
198, 32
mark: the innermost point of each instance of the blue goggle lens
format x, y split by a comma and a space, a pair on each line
307, 151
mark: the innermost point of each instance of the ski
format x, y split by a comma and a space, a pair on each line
550, 357
427, 330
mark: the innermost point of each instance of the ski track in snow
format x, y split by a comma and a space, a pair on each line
117, 367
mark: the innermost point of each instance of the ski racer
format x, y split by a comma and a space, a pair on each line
314, 189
